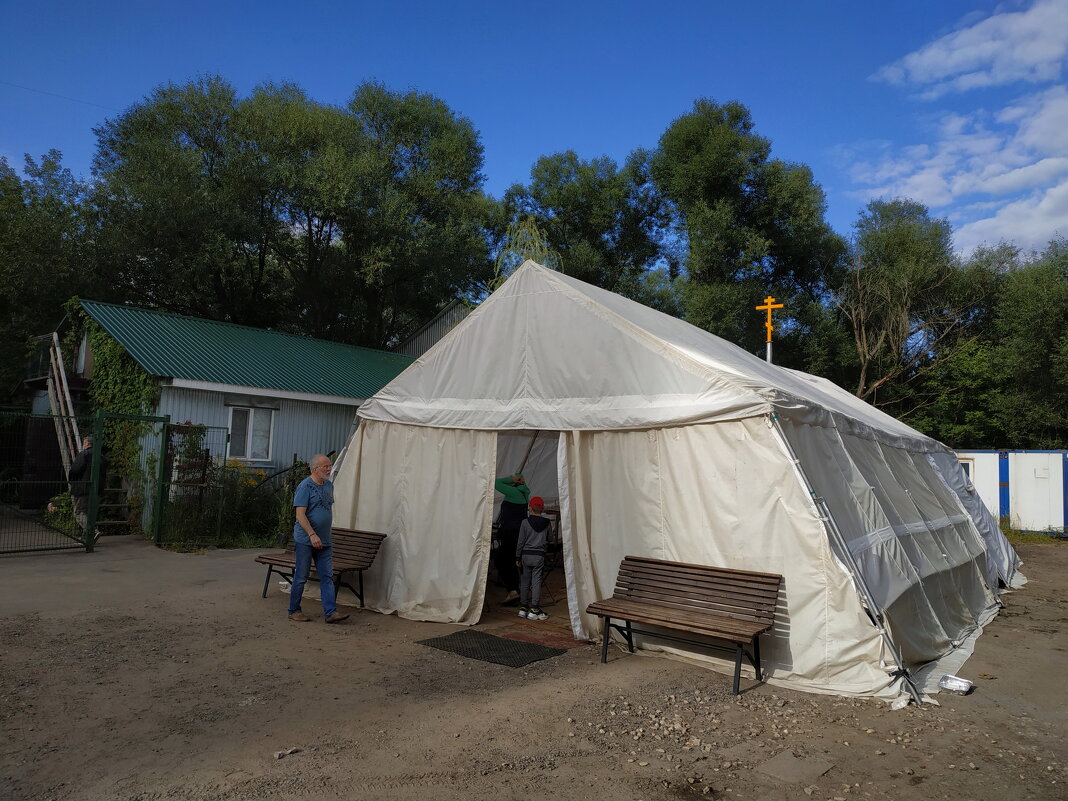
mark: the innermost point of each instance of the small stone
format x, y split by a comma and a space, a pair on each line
643, 764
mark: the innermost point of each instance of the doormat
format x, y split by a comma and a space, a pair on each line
488, 648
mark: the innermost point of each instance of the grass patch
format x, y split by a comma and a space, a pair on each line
1017, 537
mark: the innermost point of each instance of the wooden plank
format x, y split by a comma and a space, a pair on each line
702, 568
706, 577
669, 587
673, 614
723, 629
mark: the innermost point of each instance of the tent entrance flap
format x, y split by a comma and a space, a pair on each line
532, 453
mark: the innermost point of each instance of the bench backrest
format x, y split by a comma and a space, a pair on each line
353, 548
739, 594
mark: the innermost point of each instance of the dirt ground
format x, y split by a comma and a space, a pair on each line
134, 673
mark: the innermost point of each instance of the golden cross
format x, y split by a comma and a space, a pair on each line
769, 304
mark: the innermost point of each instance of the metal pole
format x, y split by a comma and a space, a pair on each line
161, 480
94, 482
767, 353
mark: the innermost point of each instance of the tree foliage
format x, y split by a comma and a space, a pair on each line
45, 238
747, 225
907, 299
275, 210
358, 222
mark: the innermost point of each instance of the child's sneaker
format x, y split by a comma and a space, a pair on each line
522, 611
537, 614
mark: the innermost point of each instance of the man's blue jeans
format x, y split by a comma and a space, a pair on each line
324, 566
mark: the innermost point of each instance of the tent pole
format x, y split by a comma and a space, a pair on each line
839, 540
526, 455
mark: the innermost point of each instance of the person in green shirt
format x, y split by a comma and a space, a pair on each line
513, 512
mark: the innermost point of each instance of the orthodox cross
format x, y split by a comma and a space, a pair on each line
769, 304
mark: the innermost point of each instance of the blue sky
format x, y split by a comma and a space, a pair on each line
959, 104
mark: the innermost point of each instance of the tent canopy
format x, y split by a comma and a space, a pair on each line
659, 439
547, 351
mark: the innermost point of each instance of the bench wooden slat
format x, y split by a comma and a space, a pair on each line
710, 579
667, 586
772, 578
704, 624
733, 605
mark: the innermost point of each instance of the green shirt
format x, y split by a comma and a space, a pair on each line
514, 493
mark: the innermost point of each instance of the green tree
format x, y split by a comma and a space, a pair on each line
44, 239
415, 233
1030, 341
603, 222
187, 213
746, 225
275, 210
523, 240
910, 304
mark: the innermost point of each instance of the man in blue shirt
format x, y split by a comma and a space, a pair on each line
314, 502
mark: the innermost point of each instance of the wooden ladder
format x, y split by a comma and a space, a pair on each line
61, 405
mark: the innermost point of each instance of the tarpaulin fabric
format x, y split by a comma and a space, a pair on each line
658, 439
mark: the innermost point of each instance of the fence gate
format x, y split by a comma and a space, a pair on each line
193, 495
37, 511
35, 505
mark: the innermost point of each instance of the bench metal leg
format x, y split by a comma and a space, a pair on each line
361, 588
630, 637
267, 581
737, 667
756, 657
604, 643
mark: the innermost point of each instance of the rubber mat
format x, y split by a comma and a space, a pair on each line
489, 648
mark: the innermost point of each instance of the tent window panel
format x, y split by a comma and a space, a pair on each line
250, 434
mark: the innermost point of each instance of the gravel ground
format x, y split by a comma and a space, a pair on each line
134, 673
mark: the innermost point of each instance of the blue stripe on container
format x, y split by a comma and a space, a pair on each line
1003, 485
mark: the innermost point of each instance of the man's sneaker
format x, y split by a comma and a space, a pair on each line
537, 614
299, 616
337, 617
522, 611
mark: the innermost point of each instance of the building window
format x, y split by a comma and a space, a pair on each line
250, 433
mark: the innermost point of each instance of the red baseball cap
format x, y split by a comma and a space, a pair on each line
537, 503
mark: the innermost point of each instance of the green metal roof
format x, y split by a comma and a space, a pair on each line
176, 346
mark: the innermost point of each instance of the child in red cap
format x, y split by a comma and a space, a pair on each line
534, 535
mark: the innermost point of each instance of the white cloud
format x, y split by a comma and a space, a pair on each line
999, 172
1002, 49
1030, 222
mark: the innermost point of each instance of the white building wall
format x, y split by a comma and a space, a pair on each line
300, 428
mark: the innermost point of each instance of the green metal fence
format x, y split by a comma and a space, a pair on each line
209, 501
37, 510
168, 482
36, 513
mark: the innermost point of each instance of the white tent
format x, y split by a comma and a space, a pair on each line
659, 439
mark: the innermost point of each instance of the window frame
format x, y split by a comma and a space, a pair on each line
248, 433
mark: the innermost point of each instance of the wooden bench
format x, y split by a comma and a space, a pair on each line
733, 605
353, 551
